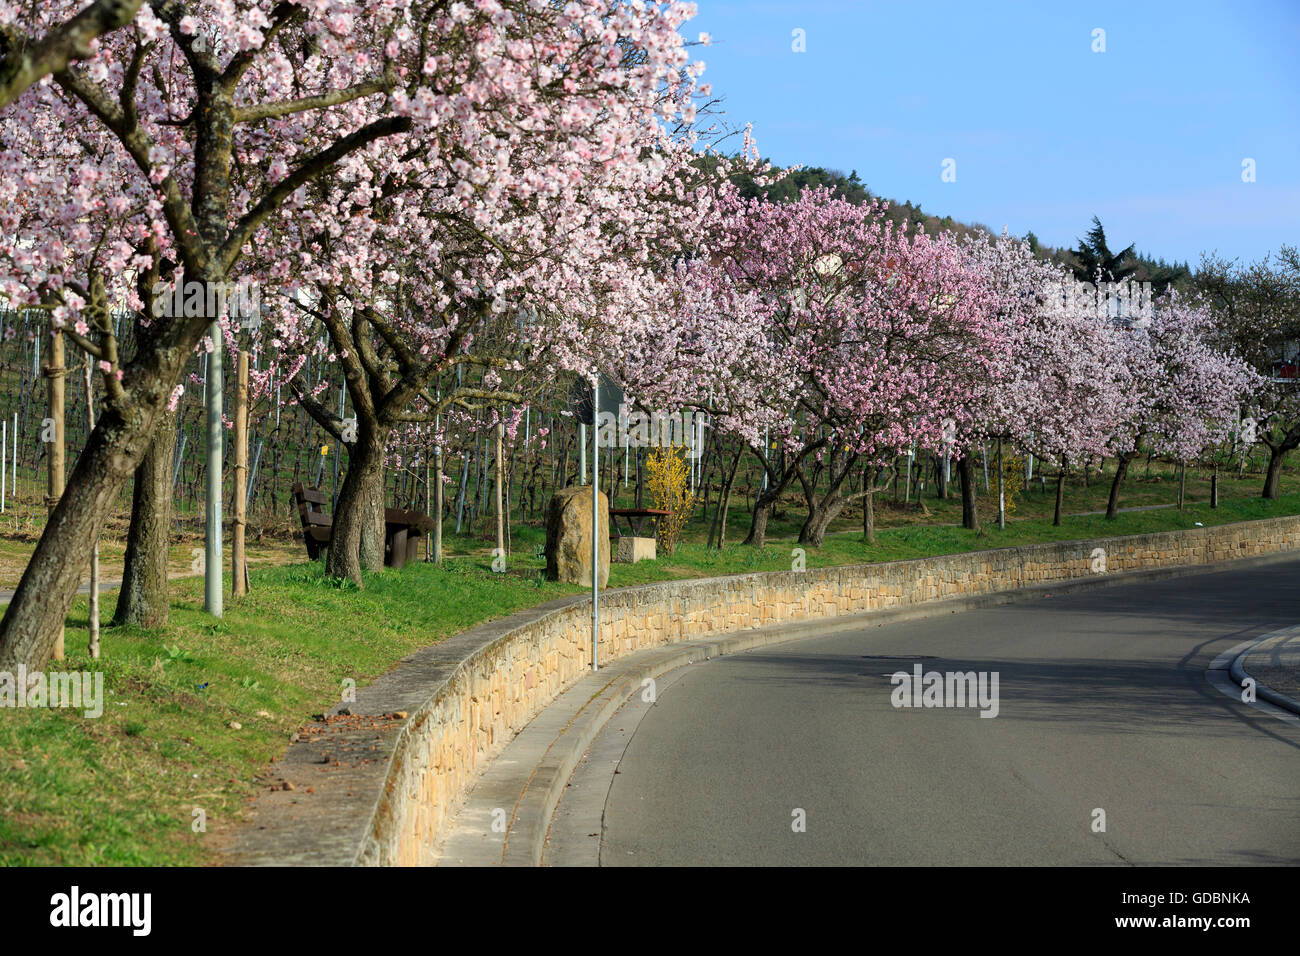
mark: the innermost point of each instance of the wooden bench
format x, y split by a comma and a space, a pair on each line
316, 525
402, 533
400, 544
634, 518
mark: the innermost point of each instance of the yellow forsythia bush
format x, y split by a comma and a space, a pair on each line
668, 482
1013, 482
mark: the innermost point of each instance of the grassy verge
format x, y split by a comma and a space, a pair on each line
16, 551
121, 789
1145, 487
902, 542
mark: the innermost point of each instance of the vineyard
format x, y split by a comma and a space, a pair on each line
548, 450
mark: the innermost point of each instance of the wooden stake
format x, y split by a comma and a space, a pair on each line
501, 518
54, 373
238, 558
437, 496
1002, 497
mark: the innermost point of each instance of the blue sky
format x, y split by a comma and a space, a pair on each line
1150, 135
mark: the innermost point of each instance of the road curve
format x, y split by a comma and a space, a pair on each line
1103, 705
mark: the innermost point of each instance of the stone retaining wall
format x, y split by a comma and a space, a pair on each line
503, 682
497, 690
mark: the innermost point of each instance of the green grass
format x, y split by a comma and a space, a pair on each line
121, 789
1157, 485
692, 559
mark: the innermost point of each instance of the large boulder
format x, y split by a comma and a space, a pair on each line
568, 536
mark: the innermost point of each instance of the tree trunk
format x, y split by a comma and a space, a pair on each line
1121, 469
763, 506
1002, 493
34, 618
969, 512
726, 503
719, 529
437, 507
1182, 484
371, 552
55, 372
1214, 487
813, 532
94, 553
1060, 494
357, 537
822, 513
464, 480
214, 389
869, 509
144, 600
501, 518
1273, 478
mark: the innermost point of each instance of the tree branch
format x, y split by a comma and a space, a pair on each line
260, 111
25, 62
306, 171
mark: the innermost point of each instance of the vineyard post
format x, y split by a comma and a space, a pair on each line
501, 519
1002, 497
212, 596
239, 563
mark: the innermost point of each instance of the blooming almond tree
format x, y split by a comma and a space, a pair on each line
208, 103
106, 255
494, 238
1060, 390
881, 334
1257, 313
1185, 394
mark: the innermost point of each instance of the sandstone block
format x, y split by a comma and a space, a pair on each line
631, 550
568, 536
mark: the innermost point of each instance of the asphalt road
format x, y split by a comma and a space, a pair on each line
1103, 704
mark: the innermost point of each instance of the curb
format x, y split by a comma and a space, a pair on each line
1239, 674
531, 781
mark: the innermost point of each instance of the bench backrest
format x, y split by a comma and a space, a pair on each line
316, 524
311, 503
